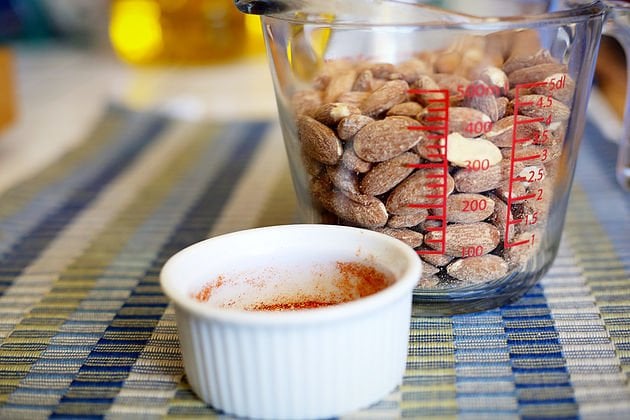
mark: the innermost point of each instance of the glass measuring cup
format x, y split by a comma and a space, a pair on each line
455, 133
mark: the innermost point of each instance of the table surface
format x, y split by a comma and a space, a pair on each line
110, 170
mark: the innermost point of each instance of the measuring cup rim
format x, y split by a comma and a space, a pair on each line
579, 13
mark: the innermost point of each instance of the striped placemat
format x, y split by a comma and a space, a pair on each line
85, 331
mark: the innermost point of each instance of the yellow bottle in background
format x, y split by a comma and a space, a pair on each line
181, 32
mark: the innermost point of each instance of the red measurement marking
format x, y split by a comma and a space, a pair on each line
433, 241
434, 119
424, 165
438, 117
424, 127
424, 206
529, 121
516, 141
429, 252
526, 158
433, 229
512, 244
524, 197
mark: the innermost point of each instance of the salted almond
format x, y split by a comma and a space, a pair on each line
384, 139
406, 109
535, 73
386, 175
318, 141
462, 151
382, 99
466, 239
407, 220
421, 190
542, 106
467, 208
350, 160
408, 236
331, 113
502, 133
478, 269
340, 83
350, 125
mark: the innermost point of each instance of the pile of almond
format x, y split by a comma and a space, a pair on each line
363, 132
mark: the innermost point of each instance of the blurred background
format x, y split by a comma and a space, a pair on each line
63, 61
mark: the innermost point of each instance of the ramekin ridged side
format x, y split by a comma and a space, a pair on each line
308, 371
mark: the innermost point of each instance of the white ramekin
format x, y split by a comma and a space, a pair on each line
310, 363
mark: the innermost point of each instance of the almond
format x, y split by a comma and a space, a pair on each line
476, 181
502, 133
353, 98
386, 175
542, 106
350, 125
384, 139
465, 120
427, 85
559, 85
478, 269
406, 109
499, 217
408, 236
319, 141
331, 113
412, 69
385, 97
467, 208
340, 82
519, 255
535, 73
342, 178
485, 102
363, 82
462, 151
466, 239
350, 160
422, 189
517, 62
369, 213
438, 260
407, 220
495, 78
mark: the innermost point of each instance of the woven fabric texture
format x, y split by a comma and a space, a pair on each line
85, 331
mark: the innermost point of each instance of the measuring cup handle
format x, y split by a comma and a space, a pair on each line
618, 26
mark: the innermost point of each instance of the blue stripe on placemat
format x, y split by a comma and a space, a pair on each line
541, 377
194, 227
82, 187
485, 381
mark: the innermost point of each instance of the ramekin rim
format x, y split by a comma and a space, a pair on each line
392, 293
